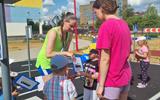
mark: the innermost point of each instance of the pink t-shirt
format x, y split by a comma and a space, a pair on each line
115, 35
143, 50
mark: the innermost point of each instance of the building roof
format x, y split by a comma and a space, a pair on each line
25, 3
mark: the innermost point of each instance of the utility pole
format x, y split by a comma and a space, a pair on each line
4, 61
76, 31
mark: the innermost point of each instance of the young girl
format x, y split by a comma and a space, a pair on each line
91, 75
142, 55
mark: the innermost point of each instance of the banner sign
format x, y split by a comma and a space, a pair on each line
151, 30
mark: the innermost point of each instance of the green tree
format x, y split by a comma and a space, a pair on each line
135, 19
151, 12
151, 18
97, 23
128, 12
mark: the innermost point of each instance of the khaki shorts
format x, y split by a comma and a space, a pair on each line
113, 93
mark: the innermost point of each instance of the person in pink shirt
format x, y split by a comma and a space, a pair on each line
114, 45
142, 55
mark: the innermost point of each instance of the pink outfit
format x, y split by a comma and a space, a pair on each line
115, 35
143, 50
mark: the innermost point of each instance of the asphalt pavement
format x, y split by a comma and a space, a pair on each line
151, 92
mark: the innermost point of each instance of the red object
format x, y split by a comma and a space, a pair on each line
153, 29
92, 21
75, 28
158, 29
147, 30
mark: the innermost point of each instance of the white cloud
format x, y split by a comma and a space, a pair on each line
69, 7
60, 10
63, 8
81, 2
142, 5
47, 17
45, 10
142, 2
135, 2
48, 2
84, 2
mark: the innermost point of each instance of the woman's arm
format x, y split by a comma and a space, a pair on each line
104, 65
50, 45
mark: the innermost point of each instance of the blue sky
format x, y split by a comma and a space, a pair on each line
20, 14
141, 5
56, 7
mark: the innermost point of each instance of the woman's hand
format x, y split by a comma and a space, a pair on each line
100, 91
69, 54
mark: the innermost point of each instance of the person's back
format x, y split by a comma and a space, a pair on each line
113, 43
118, 39
59, 87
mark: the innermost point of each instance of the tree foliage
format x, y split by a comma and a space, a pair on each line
97, 23
149, 19
128, 12
151, 12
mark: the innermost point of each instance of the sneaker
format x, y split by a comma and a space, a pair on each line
140, 85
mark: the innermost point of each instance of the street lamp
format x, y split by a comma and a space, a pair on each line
28, 37
40, 24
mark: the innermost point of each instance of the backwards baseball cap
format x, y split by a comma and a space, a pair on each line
59, 61
140, 38
93, 51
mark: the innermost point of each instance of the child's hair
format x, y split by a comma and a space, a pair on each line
108, 6
94, 51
